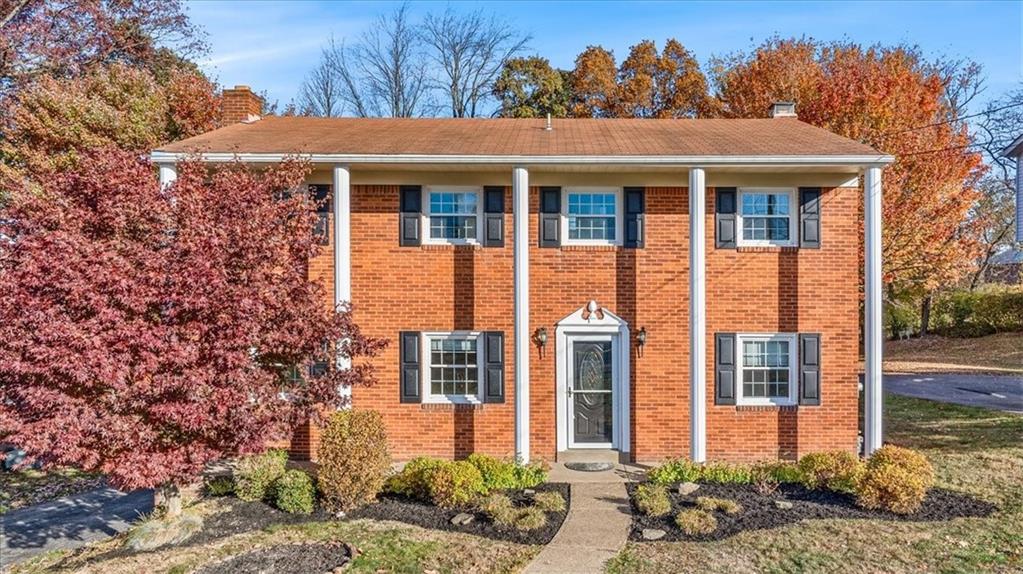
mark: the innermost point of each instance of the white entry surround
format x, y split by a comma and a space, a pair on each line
587, 322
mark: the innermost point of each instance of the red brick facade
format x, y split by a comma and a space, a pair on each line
762, 290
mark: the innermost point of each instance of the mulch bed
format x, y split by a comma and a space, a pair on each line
759, 511
284, 559
411, 511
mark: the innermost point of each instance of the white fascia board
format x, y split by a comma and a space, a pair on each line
659, 160
1012, 150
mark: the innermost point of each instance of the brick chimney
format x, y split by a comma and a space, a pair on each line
783, 110
241, 105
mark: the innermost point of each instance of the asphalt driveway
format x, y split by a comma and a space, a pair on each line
1004, 393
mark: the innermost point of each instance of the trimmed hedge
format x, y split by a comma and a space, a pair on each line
353, 459
294, 492
895, 479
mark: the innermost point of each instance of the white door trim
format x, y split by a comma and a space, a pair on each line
609, 326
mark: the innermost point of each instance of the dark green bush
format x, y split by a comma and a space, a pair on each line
294, 492
988, 310
256, 474
353, 459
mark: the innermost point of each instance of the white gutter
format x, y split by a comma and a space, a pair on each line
658, 160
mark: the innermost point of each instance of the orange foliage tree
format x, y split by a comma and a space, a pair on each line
894, 100
648, 84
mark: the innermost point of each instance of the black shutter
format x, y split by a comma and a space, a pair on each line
724, 369
724, 218
810, 369
411, 208
493, 216
493, 371
320, 194
550, 217
810, 217
635, 206
408, 367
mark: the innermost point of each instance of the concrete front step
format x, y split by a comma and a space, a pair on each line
591, 455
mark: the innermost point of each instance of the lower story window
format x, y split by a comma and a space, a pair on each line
453, 371
767, 366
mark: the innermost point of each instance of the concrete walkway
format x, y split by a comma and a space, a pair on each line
596, 528
69, 522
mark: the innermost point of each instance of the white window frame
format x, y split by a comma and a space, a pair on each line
793, 340
428, 394
427, 190
793, 239
619, 215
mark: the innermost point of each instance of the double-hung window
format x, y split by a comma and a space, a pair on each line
767, 369
767, 216
453, 367
453, 214
592, 216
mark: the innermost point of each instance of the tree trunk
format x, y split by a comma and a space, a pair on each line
168, 497
925, 316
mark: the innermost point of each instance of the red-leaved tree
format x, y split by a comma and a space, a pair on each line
146, 332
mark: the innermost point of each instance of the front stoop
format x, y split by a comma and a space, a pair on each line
596, 528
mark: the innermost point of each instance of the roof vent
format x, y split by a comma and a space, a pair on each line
783, 110
549, 127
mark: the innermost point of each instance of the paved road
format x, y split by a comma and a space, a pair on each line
69, 522
989, 391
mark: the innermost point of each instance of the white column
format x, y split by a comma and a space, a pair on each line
697, 316
520, 210
168, 173
342, 248
873, 326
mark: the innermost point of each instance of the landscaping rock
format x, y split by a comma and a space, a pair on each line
462, 518
783, 504
687, 488
653, 534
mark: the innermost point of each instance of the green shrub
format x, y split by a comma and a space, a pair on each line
550, 501
353, 459
682, 470
455, 484
414, 478
695, 522
895, 479
219, 486
710, 504
834, 470
767, 475
497, 474
990, 309
256, 474
294, 492
652, 499
530, 475
675, 470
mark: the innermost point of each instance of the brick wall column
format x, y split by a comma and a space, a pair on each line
697, 315
520, 213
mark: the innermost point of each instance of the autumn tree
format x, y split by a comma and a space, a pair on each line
894, 100
531, 88
145, 332
54, 120
648, 84
67, 38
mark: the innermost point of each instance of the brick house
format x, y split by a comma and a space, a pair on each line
649, 288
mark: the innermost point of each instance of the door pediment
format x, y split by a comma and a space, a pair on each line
592, 315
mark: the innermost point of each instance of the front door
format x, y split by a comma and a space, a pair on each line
590, 393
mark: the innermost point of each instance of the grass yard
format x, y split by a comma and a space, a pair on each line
973, 450
382, 547
1001, 353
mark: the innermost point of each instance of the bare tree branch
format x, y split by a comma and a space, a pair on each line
390, 58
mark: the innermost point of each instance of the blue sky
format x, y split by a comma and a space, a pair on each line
271, 45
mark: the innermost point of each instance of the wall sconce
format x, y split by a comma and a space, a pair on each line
540, 338
641, 338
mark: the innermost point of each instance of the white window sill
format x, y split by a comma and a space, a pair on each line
451, 400
766, 403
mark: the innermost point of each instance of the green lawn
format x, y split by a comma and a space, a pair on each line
973, 450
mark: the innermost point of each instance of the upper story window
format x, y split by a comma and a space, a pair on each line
767, 369
453, 214
453, 367
592, 216
767, 217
